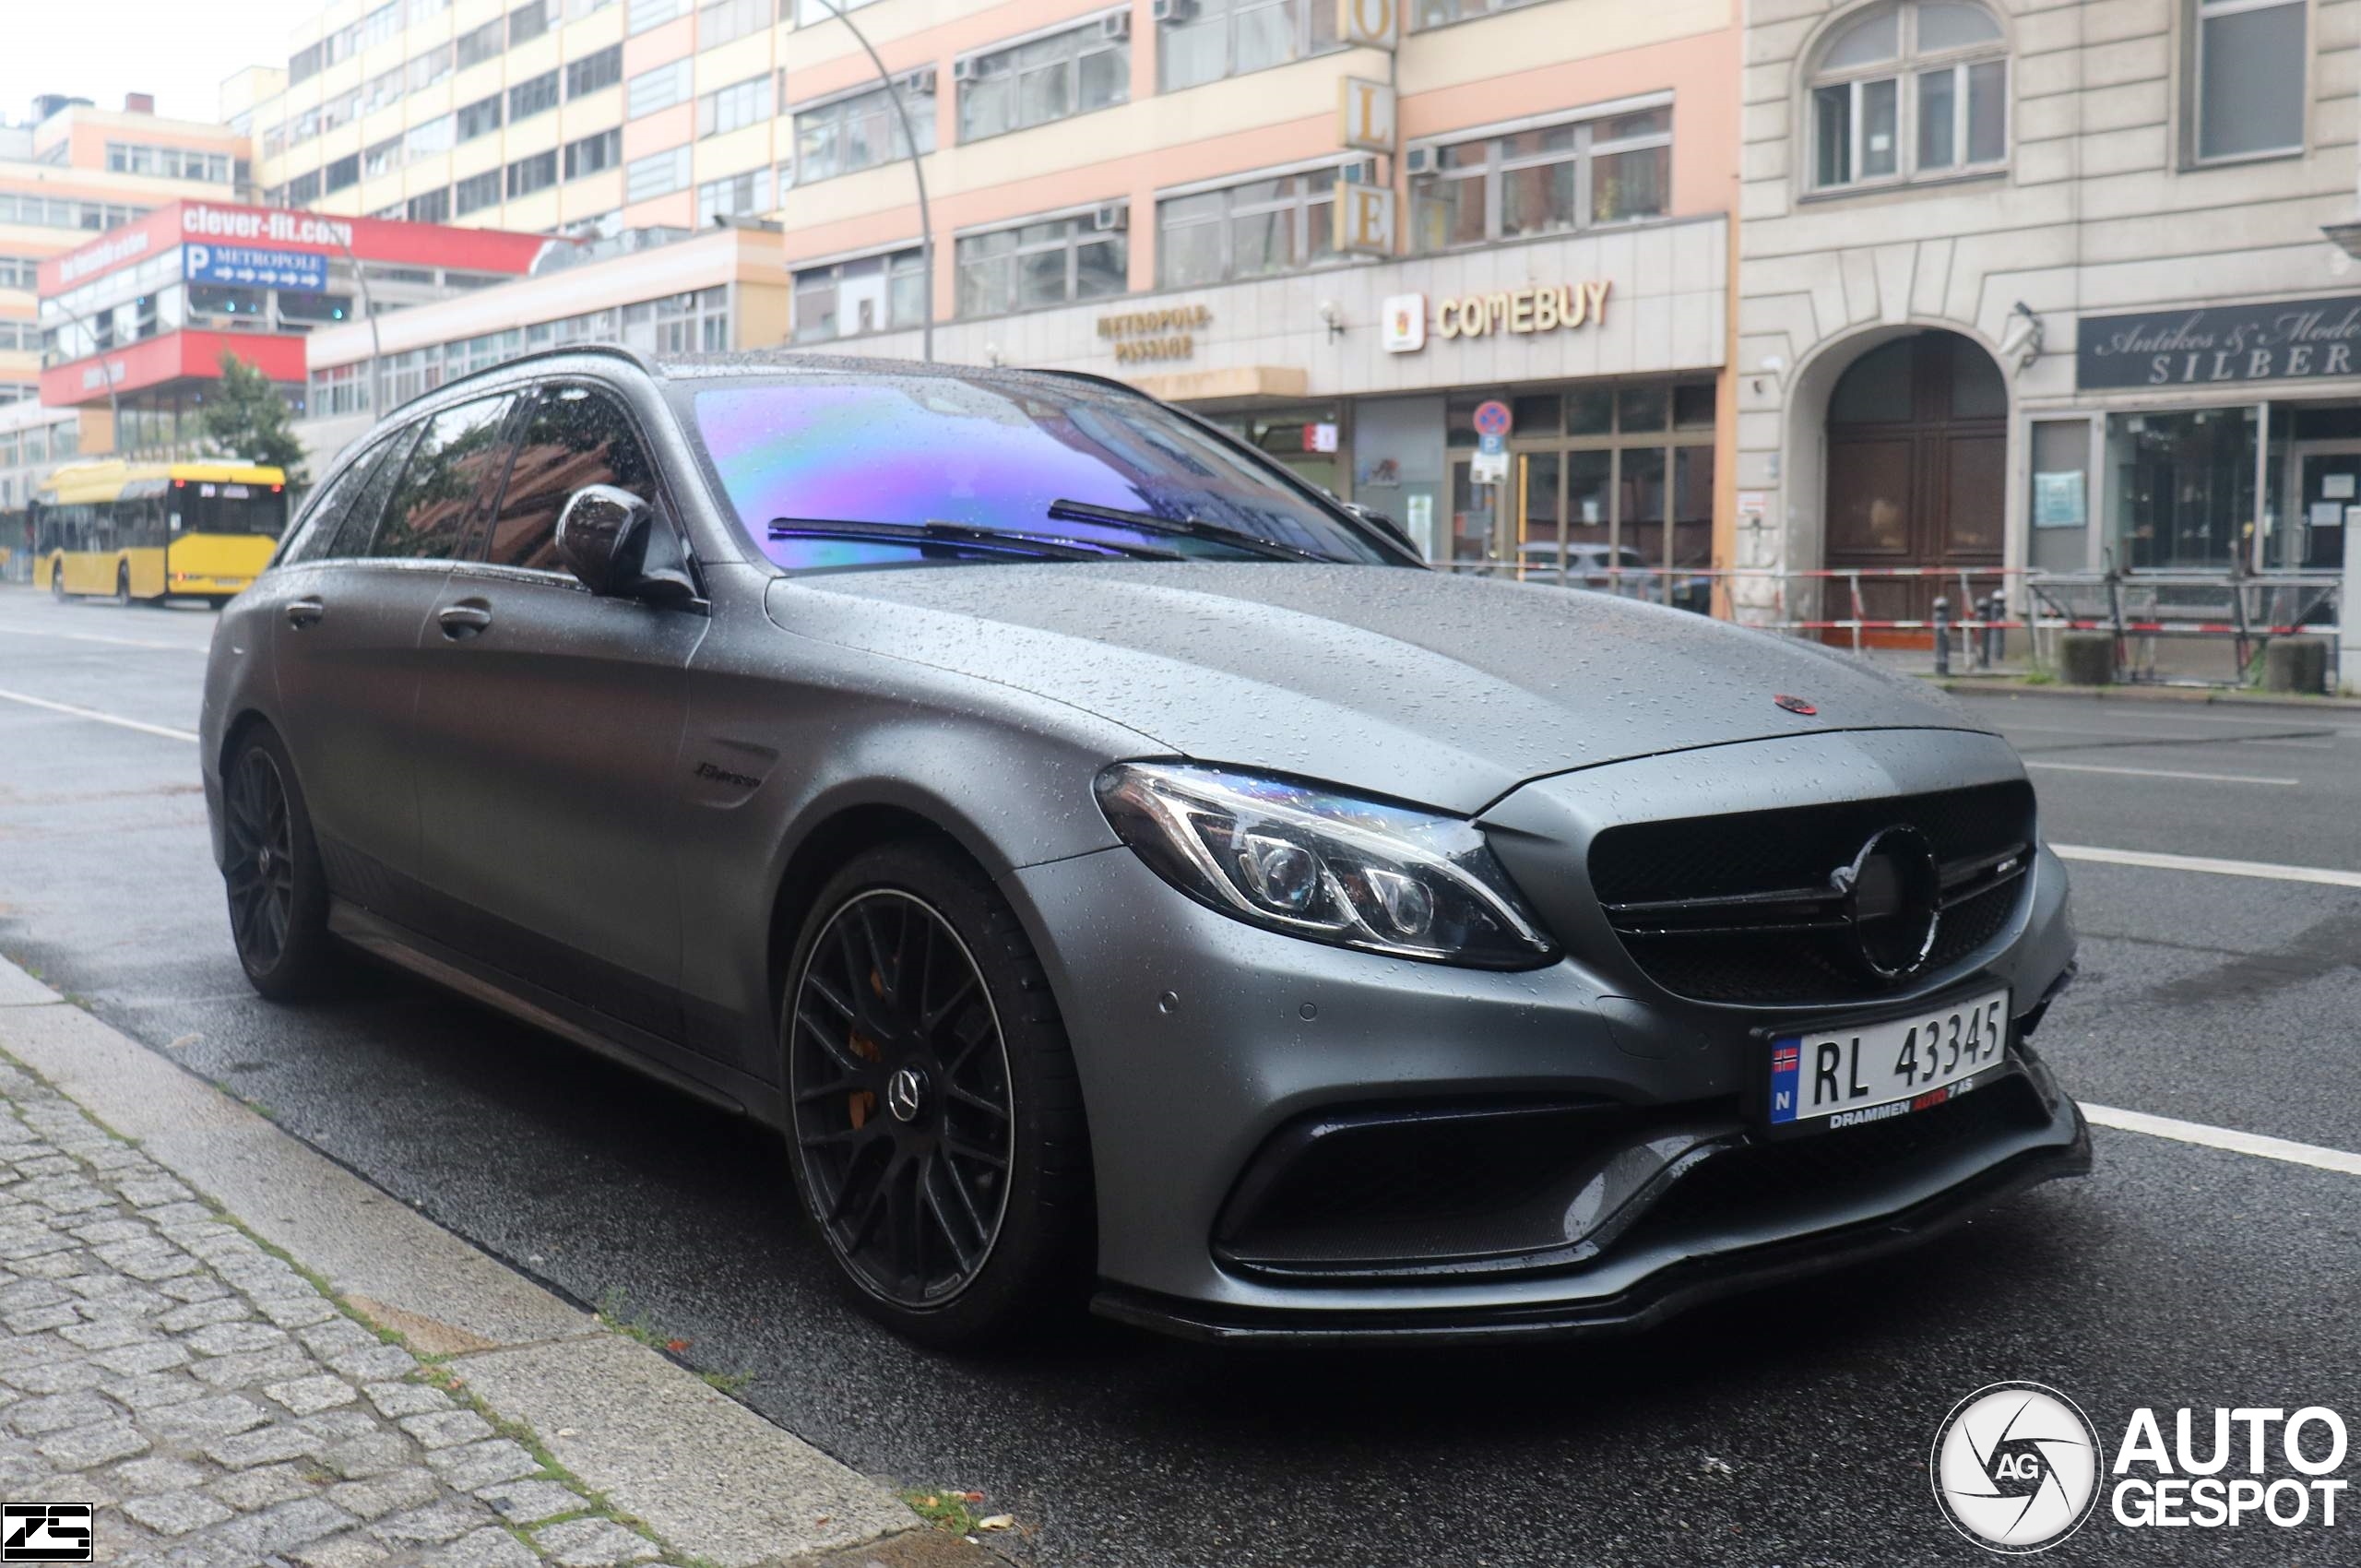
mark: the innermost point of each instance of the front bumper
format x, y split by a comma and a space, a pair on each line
1202, 1042
1676, 1288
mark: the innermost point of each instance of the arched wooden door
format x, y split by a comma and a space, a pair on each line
1917, 464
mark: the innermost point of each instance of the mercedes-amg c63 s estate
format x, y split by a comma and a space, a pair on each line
1121, 871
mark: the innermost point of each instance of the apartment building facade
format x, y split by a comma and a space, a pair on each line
1149, 190
2058, 284
77, 172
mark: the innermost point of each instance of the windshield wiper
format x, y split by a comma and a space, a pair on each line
1188, 528
969, 535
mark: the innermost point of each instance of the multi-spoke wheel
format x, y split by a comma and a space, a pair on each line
277, 900
933, 1116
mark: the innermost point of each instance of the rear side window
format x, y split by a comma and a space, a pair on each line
576, 437
324, 519
445, 484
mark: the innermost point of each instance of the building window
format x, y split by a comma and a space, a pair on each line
485, 42
345, 171
1051, 263
337, 390
306, 62
694, 323
741, 195
594, 72
19, 271
1049, 78
427, 70
646, 14
528, 22
479, 119
2180, 487
1442, 12
477, 192
537, 172
725, 19
383, 158
428, 137
426, 10
1910, 91
848, 298
661, 175
812, 13
1547, 180
658, 89
304, 189
863, 130
593, 154
339, 110
429, 207
1204, 41
381, 91
736, 106
1248, 230
172, 162
2249, 78
537, 95
381, 24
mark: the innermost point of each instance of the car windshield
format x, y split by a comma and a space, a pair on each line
995, 459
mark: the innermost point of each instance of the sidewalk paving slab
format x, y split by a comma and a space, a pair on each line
225, 1408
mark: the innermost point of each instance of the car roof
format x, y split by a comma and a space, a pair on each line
770, 363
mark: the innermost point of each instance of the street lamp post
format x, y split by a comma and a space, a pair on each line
918, 170
368, 308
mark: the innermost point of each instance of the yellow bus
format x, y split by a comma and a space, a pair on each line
156, 530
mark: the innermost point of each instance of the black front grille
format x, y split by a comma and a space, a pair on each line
1812, 1166
1653, 875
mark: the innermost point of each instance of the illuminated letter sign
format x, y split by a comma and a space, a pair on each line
1365, 114
1370, 24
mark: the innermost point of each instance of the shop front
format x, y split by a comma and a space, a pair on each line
1606, 349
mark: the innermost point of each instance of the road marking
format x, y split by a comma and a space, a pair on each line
2263, 869
2166, 773
2224, 1138
99, 637
92, 713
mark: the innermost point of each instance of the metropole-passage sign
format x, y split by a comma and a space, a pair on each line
2274, 340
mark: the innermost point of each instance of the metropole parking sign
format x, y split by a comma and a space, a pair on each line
255, 268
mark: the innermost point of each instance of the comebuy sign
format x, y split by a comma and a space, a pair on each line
370, 239
2278, 340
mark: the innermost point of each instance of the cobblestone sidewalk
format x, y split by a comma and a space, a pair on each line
218, 1409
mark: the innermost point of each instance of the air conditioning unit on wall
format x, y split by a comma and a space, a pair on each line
1418, 161
1113, 218
1115, 24
1173, 12
963, 70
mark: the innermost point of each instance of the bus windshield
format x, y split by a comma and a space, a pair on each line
210, 507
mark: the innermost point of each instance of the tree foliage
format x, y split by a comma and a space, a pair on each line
244, 417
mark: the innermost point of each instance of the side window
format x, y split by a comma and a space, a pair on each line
348, 536
576, 437
325, 517
451, 472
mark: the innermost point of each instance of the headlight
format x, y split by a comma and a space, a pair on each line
1320, 864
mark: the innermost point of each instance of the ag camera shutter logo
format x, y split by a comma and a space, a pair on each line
2016, 1468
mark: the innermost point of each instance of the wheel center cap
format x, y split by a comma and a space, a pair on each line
262, 859
906, 1094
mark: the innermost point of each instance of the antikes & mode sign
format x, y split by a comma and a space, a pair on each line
2278, 340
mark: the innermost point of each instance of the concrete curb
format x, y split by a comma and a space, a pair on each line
2187, 697
716, 1481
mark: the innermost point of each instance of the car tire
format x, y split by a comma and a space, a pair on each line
277, 894
918, 1101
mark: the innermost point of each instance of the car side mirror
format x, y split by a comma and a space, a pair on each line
615, 546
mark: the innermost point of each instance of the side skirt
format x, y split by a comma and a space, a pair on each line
528, 1004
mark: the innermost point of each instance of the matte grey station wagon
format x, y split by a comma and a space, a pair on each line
1121, 872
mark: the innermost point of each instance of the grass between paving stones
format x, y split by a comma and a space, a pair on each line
946, 1508
433, 1370
617, 1312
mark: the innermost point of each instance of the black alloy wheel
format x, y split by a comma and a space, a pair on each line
933, 1115
278, 898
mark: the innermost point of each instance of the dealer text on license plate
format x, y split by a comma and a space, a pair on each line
1858, 1073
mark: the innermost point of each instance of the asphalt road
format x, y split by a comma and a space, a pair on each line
1790, 1429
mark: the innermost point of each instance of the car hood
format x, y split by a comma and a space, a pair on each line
1423, 685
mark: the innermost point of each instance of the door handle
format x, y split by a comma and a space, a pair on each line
464, 619
305, 613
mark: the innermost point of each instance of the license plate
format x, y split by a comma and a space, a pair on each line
1860, 1073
